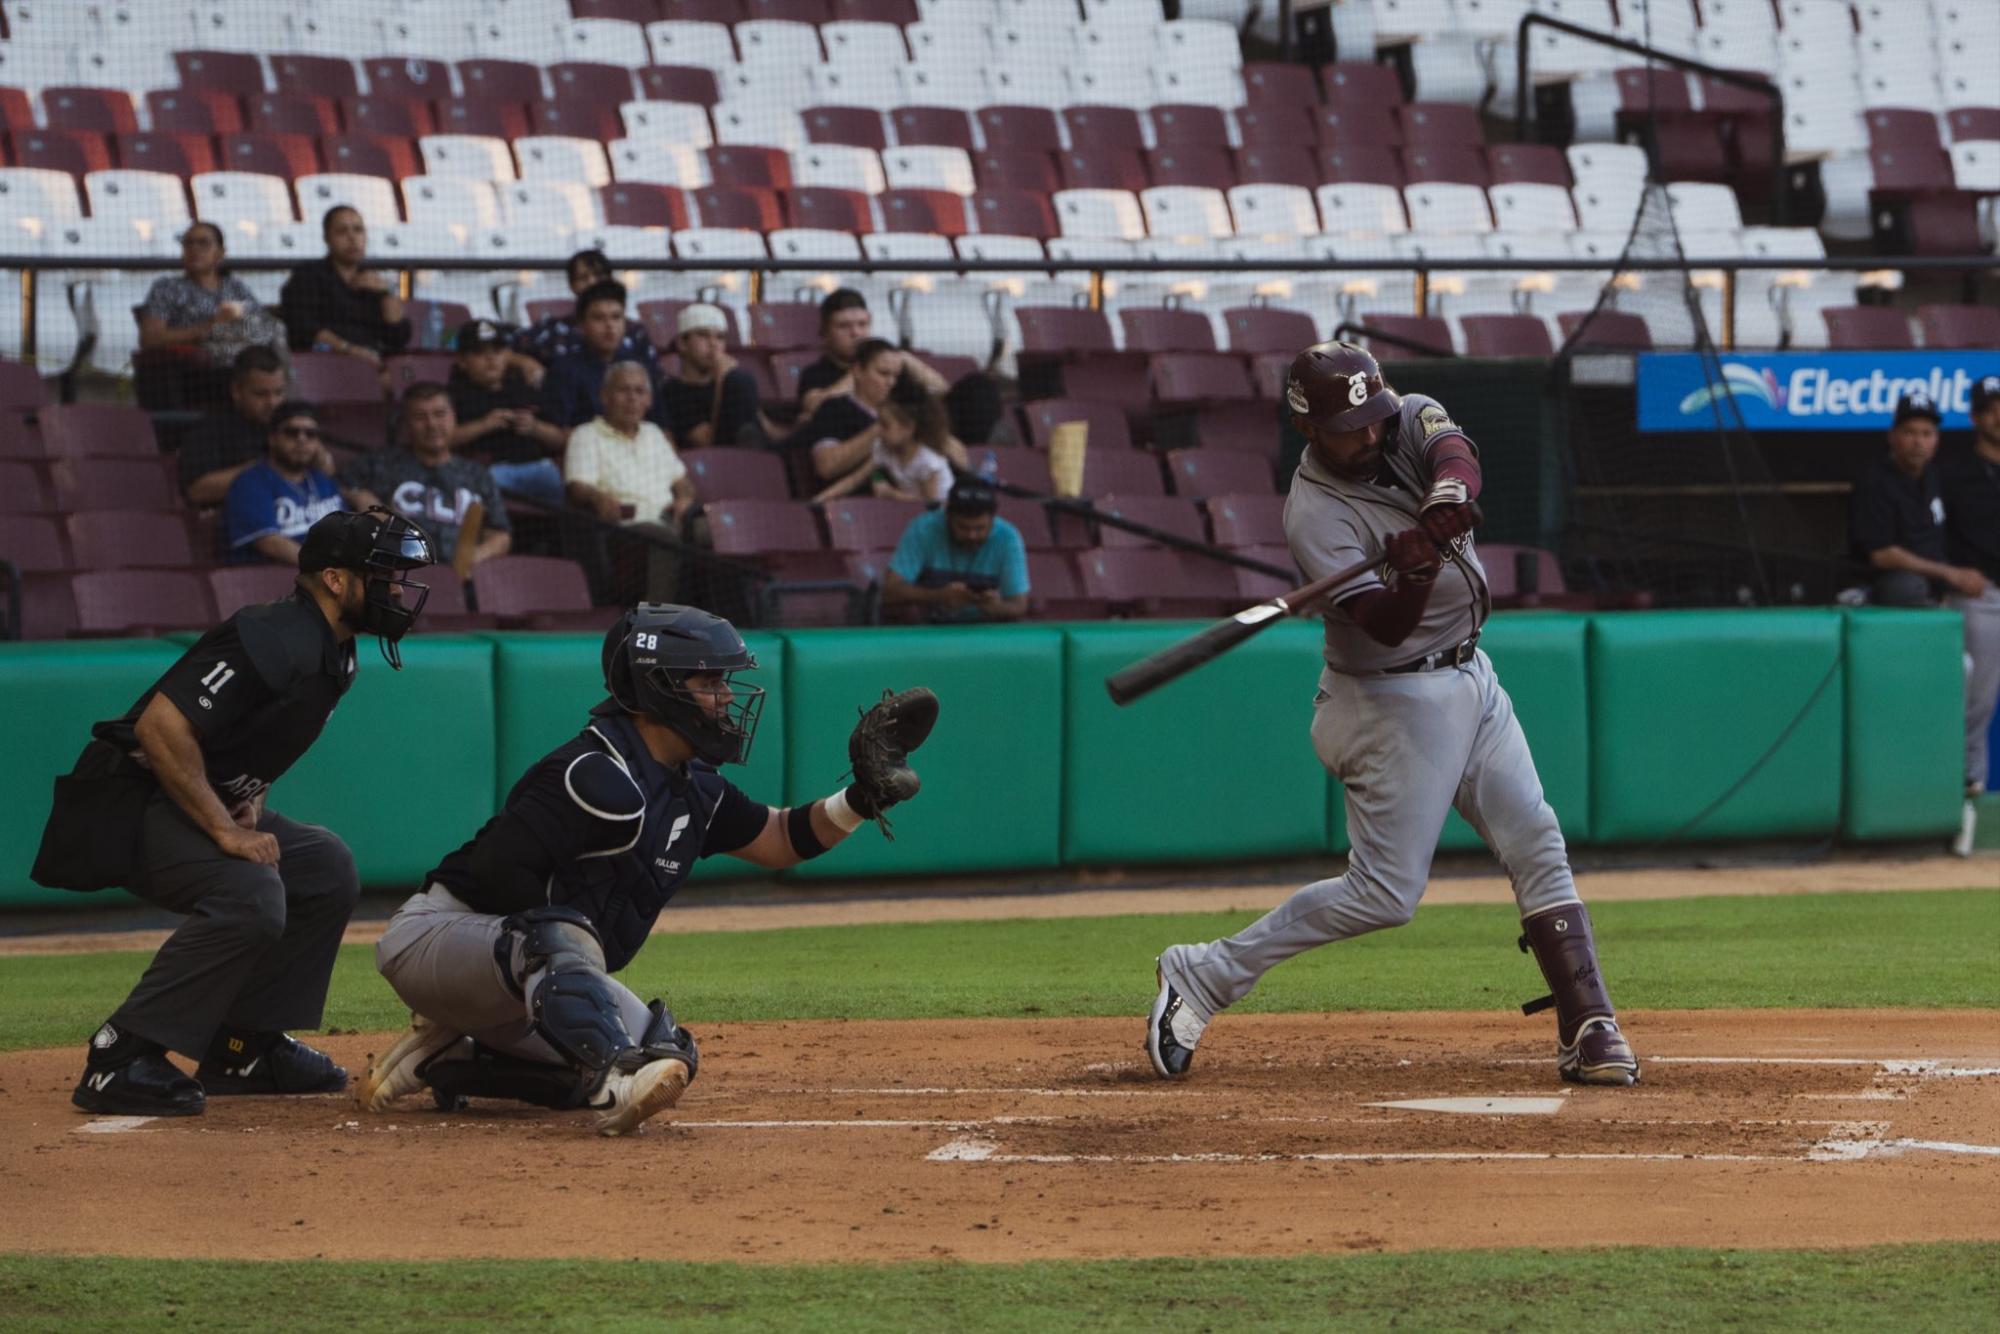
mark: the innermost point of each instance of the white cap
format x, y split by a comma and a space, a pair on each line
701, 315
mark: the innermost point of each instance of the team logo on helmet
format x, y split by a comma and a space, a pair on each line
1357, 389
1295, 395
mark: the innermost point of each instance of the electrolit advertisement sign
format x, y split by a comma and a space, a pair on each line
1806, 391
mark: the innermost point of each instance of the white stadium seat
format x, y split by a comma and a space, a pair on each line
1273, 210
928, 167
952, 318
1608, 163
892, 246
1099, 213
1035, 45
795, 46
1702, 207
1738, 34
508, 38
676, 122
47, 197
256, 29
607, 42
150, 196
230, 197
1201, 85
568, 206
938, 81
658, 161
1530, 207
684, 42
938, 42
720, 243
877, 43
1607, 206
622, 243
758, 121
449, 200
432, 33
840, 166
467, 157
371, 196
1186, 210
557, 157
1043, 86
519, 241
1361, 208
813, 243
856, 84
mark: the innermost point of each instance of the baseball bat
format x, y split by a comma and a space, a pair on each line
1177, 660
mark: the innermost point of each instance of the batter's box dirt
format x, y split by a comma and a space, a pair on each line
1005, 1140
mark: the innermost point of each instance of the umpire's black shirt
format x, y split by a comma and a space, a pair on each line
257, 690
1890, 508
1970, 485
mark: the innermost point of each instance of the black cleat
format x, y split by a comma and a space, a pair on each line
147, 1085
286, 1066
1171, 1032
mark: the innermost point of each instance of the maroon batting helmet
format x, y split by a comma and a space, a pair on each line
1338, 387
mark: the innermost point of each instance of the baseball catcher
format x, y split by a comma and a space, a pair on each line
1409, 717
506, 958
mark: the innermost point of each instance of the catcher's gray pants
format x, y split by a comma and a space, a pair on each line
257, 949
440, 956
1982, 677
1408, 749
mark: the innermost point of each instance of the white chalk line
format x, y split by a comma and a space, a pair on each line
967, 1150
1850, 1150
1887, 1065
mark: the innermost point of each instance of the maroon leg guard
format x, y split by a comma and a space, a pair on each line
1589, 1047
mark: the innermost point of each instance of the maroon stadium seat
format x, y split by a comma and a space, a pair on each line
661, 317
679, 83
1959, 326
784, 324
16, 111
900, 12
527, 590
397, 117
938, 212
754, 210
1284, 83
315, 76
1016, 465
1015, 213
1528, 164
19, 440
866, 523
1867, 327
1268, 372
104, 110
285, 155
1119, 378
1054, 591
283, 113
1007, 169
329, 377
1028, 516
593, 82
1255, 329
1462, 164
1251, 519
1158, 329
513, 81
193, 111
1610, 329
1277, 164
737, 474
943, 127
860, 127
413, 80
1362, 82
1362, 166
1105, 169
1360, 123
1107, 427
1252, 586
129, 539
1133, 578
1902, 128
1645, 90
488, 116
1189, 377
1937, 224
391, 158
742, 165
1440, 123
829, 209
786, 367
631, 11
1096, 127
1275, 123
34, 543
180, 155
234, 72
795, 11
1064, 329
140, 601
1200, 165
1506, 336
21, 387
1174, 515
1429, 333
577, 118
73, 151
760, 528
27, 488
404, 369
1973, 123
1910, 170
1228, 426
1122, 472
1022, 129
641, 204
1201, 473
1179, 125
98, 430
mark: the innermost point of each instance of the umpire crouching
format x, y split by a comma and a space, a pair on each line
168, 802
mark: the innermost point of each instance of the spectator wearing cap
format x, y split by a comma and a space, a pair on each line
622, 467
554, 336
1970, 485
273, 502
973, 405
497, 417
1896, 516
709, 400
422, 480
571, 391
960, 563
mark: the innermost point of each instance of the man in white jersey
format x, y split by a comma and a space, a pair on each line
1409, 717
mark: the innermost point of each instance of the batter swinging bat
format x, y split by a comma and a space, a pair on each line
1177, 660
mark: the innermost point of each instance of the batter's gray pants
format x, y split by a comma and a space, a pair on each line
1408, 748
1982, 677
440, 957
257, 949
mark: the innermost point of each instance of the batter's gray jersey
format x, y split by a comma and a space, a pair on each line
1332, 523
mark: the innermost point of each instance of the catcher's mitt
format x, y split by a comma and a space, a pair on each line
879, 749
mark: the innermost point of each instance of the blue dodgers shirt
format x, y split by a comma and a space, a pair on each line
926, 545
261, 502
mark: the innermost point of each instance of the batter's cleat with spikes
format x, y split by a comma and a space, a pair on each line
1172, 1030
1600, 1055
147, 1085
269, 1063
629, 1100
397, 1072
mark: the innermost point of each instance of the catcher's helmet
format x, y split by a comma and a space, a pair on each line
650, 653
1338, 387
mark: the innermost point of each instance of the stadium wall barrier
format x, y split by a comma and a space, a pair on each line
1639, 722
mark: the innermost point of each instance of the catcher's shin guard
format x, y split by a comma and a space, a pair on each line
1589, 1047
484, 1073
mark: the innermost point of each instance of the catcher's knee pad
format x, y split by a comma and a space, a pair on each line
561, 940
485, 1073
1561, 943
574, 1006
663, 1040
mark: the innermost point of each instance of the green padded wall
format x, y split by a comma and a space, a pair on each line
403, 770
1905, 707
54, 692
1543, 664
991, 768
1683, 703
547, 684
1217, 764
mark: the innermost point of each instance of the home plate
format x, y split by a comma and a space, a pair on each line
112, 1125
1480, 1106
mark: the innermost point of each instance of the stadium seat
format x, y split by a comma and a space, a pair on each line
28, 488
606, 41
192, 111
1253, 518
1528, 164
1027, 129
1134, 472
928, 167
1055, 592
288, 155
140, 601
73, 431
232, 199
148, 196
1277, 164
784, 325
532, 592
1006, 169
407, 79
1194, 377
1106, 424
281, 113
691, 84
466, 157
577, 118
1181, 210
1174, 515
737, 474
373, 197
840, 167
1361, 208
1063, 329
761, 529
933, 126
1093, 129
866, 523
1506, 336
1201, 473
1446, 208
1280, 83
1200, 165
1357, 124
1611, 330
1259, 329
233, 72
128, 539
640, 204
1179, 125
1092, 169
176, 154
1099, 213
1867, 327
77, 152
1157, 329
855, 127
1351, 83
450, 201
1959, 326
1131, 579
102, 110
1420, 335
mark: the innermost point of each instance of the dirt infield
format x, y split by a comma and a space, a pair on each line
1009, 1139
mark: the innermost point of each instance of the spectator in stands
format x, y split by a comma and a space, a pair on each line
272, 502
623, 468
497, 417
973, 405
204, 307
221, 445
543, 342
960, 563
1896, 516
904, 463
710, 400
1970, 486
842, 433
425, 483
335, 305
570, 393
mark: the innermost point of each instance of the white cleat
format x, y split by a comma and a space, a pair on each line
393, 1074
1172, 1030
629, 1100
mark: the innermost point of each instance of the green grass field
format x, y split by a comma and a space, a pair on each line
1832, 950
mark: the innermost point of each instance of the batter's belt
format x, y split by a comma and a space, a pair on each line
1456, 656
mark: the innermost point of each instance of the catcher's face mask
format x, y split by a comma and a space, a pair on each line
716, 711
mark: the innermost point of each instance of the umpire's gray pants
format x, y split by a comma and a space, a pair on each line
1408, 749
258, 946
444, 960
1982, 677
